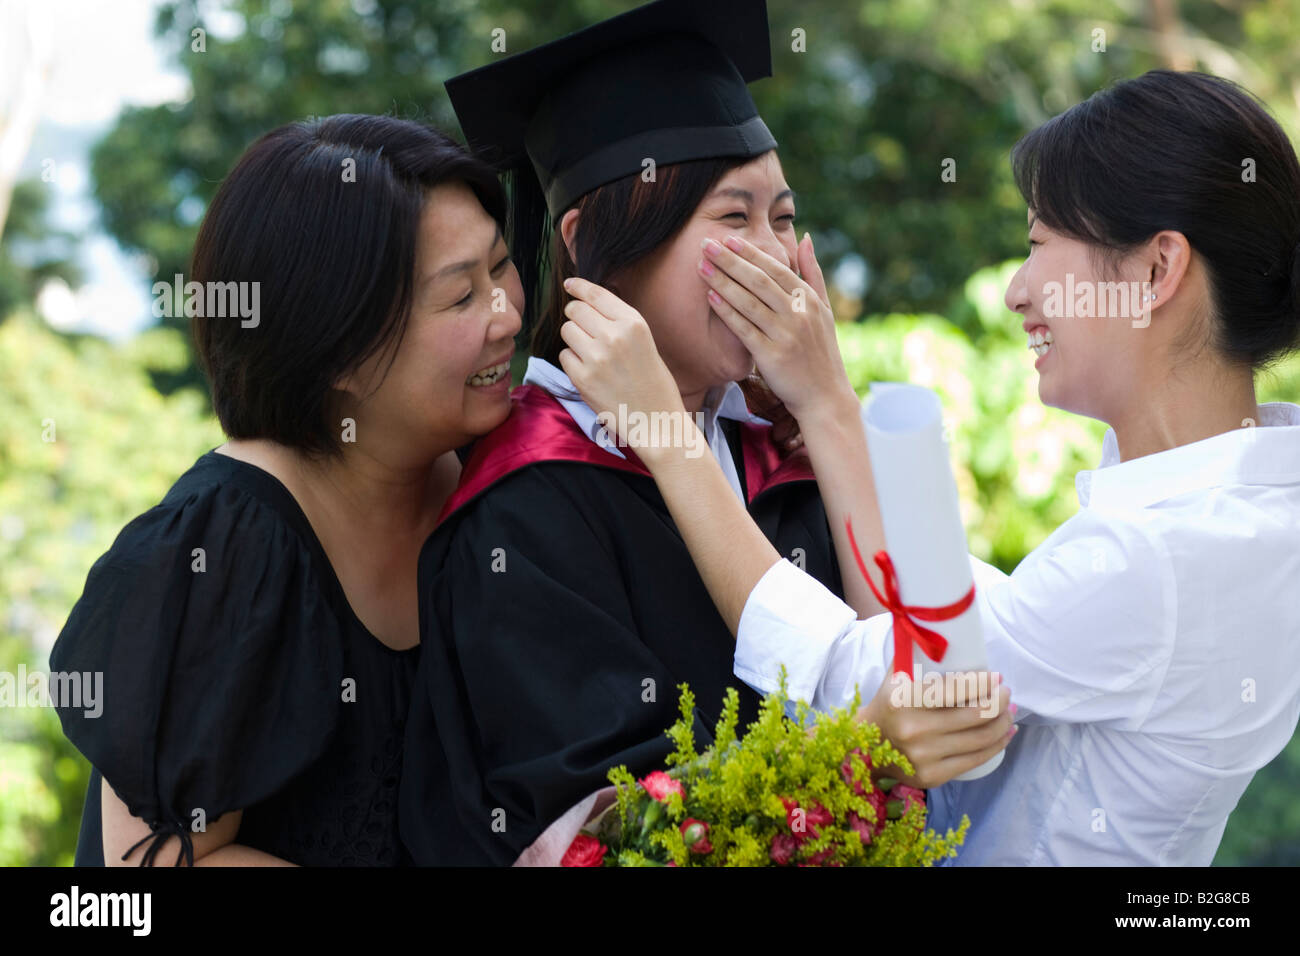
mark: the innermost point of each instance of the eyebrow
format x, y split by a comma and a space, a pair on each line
465, 264
735, 192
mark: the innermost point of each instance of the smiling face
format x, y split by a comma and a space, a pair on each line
450, 379
1094, 355
752, 201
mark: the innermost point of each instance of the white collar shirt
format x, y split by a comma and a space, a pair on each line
1151, 645
723, 402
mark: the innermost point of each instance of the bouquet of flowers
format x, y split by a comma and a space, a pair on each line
787, 793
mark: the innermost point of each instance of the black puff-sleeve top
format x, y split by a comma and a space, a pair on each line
236, 677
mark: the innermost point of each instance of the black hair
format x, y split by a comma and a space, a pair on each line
324, 215
1170, 150
619, 224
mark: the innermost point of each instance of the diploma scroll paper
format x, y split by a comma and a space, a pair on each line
922, 524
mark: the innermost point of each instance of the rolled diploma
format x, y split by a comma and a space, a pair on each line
922, 524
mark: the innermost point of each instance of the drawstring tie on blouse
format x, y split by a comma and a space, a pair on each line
160, 832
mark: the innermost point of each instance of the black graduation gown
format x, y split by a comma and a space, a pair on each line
559, 610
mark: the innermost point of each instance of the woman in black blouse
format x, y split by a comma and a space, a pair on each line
258, 629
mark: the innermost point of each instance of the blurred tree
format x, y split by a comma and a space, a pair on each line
872, 103
868, 103
26, 59
273, 63
32, 251
887, 92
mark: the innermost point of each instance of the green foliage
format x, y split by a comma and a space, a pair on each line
86, 444
865, 117
1264, 829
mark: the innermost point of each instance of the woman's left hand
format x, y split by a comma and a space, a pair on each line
785, 322
611, 356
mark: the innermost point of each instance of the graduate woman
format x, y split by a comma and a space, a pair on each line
1153, 640
561, 607
257, 629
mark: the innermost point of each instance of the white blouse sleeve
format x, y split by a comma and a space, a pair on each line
1082, 630
791, 619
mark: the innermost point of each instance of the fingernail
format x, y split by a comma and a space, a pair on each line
707, 267
711, 247
733, 243
568, 283
1012, 731
714, 297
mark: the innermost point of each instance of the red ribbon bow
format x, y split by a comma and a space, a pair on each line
906, 630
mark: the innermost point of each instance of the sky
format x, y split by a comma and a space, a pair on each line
104, 57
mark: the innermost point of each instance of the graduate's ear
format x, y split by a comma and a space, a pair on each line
568, 229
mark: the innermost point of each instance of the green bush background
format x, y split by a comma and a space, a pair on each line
119, 445
884, 92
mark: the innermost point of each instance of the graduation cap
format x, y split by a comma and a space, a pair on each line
666, 81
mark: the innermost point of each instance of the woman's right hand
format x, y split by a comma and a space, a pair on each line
784, 320
612, 358
946, 741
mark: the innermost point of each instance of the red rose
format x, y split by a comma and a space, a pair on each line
864, 827
803, 823
819, 859
659, 785
846, 770
880, 803
783, 849
796, 818
584, 851
909, 795
906, 796
696, 834
861, 827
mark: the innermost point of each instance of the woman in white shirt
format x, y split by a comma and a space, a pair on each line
1152, 642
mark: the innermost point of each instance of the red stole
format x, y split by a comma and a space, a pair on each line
540, 429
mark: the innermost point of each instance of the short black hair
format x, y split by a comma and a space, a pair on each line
1169, 150
324, 215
